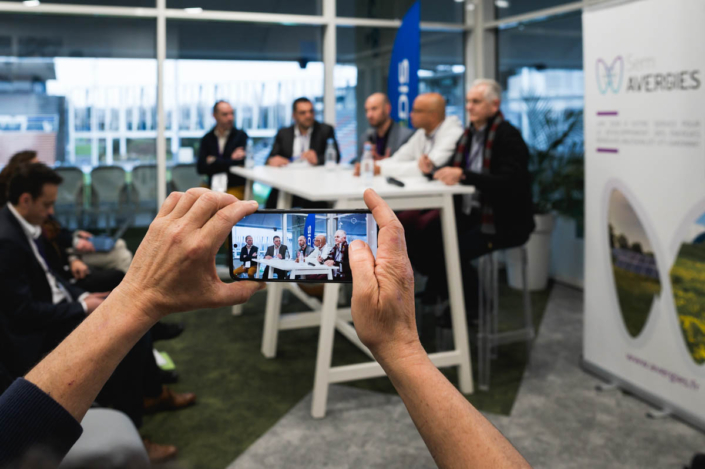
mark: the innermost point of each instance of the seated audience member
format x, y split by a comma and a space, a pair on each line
45, 408
434, 140
385, 135
304, 142
223, 147
276, 251
248, 257
492, 157
303, 251
40, 308
339, 256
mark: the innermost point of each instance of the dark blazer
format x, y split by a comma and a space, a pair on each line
345, 272
282, 250
27, 313
284, 142
244, 257
508, 186
398, 136
222, 164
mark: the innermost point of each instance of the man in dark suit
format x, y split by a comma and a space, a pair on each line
39, 309
248, 257
276, 251
305, 141
223, 147
491, 156
339, 256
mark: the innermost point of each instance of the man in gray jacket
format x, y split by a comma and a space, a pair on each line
385, 135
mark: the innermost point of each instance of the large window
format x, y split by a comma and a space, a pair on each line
507, 8
362, 69
447, 11
299, 7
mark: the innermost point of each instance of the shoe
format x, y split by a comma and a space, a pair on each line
159, 453
168, 377
166, 331
168, 400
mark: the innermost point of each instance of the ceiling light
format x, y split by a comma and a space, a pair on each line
470, 6
459, 1
193, 10
501, 3
31, 3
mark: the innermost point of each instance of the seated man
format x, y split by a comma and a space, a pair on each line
492, 156
276, 251
339, 256
385, 135
320, 252
303, 142
248, 257
434, 140
304, 250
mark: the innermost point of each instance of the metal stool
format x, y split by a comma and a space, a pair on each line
488, 336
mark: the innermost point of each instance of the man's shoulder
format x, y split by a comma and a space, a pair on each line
286, 130
10, 231
322, 126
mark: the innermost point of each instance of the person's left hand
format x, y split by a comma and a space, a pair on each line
238, 154
310, 156
279, 256
449, 176
79, 269
174, 267
330, 263
84, 246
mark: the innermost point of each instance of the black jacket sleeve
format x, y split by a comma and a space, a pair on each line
243, 255
239, 141
509, 166
30, 418
17, 296
277, 146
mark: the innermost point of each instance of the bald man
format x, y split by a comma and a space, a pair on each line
385, 135
433, 142
339, 257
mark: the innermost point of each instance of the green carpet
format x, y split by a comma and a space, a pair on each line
241, 394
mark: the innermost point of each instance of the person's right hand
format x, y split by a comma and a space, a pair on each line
267, 257
210, 159
383, 289
174, 267
238, 154
278, 161
425, 164
84, 246
356, 171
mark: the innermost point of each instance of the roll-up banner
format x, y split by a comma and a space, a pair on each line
403, 81
645, 200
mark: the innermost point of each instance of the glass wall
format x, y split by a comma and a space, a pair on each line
446, 11
507, 8
299, 7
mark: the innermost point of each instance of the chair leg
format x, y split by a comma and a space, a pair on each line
495, 301
528, 313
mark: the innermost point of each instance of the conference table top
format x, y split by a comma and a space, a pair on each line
319, 184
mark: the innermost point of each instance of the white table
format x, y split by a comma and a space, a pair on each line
340, 187
297, 268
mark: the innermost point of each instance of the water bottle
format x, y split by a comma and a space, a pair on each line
367, 165
331, 156
249, 155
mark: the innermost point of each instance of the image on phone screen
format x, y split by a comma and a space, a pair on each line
298, 245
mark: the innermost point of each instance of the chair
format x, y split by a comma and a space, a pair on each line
69, 201
184, 177
144, 189
108, 194
489, 336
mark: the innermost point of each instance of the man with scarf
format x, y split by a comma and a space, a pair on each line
491, 156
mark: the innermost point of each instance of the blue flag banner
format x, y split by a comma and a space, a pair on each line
310, 228
403, 82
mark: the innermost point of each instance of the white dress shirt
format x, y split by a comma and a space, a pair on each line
58, 292
439, 146
219, 181
319, 252
302, 143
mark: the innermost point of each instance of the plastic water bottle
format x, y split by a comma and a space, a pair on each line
331, 156
367, 165
249, 155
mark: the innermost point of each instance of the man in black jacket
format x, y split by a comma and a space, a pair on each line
248, 257
491, 156
339, 256
276, 251
223, 147
305, 141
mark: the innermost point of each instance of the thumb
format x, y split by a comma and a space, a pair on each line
237, 293
362, 265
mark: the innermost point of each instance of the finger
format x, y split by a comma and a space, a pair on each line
365, 286
206, 206
186, 201
237, 293
169, 204
217, 228
381, 212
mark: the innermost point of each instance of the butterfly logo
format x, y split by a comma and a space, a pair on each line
609, 77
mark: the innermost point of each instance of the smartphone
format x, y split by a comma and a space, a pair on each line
298, 245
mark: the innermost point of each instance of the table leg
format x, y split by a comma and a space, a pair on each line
271, 320
455, 287
248, 189
326, 335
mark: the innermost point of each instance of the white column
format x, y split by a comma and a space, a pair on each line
329, 59
161, 124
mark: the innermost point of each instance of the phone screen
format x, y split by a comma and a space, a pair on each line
298, 245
